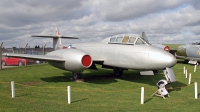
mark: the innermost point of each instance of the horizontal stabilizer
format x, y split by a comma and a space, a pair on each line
38, 57
54, 36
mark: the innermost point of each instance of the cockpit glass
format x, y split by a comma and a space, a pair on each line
139, 42
131, 40
119, 39
125, 39
112, 39
146, 40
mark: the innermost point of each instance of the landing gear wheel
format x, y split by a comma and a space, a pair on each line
3, 63
77, 75
155, 71
186, 61
20, 63
118, 72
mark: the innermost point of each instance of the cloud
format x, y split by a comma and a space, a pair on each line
19, 12
117, 10
92, 20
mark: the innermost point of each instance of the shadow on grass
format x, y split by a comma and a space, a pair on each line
105, 76
80, 100
88, 77
65, 78
148, 100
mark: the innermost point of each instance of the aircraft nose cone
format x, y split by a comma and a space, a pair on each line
161, 59
170, 60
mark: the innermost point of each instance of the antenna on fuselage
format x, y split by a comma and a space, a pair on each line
144, 37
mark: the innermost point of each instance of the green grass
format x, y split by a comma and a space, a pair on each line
44, 88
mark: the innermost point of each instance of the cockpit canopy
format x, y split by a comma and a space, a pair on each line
127, 39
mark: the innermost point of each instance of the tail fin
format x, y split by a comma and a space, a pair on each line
57, 32
56, 39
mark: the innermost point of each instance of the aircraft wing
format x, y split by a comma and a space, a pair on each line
38, 57
188, 58
45, 57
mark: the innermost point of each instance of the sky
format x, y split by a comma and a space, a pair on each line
164, 21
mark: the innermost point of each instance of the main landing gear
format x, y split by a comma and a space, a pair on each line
77, 75
118, 72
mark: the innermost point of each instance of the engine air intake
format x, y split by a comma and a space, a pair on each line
86, 60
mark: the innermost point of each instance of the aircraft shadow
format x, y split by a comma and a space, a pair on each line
93, 77
100, 79
132, 76
67, 77
103, 76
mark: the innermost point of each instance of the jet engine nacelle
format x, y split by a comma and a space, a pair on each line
75, 60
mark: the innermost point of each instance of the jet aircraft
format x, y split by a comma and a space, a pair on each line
119, 52
189, 52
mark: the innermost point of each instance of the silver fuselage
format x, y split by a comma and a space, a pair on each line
141, 57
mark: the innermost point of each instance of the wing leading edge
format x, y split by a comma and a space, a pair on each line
38, 57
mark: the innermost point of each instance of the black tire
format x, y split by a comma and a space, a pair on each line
20, 63
3, 63
76, 75
155, 71
118, 72
186, 61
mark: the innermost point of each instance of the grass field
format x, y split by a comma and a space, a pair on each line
44, 88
